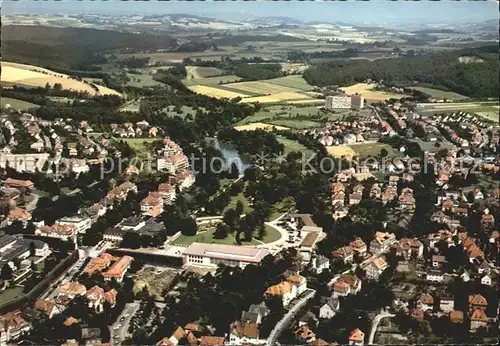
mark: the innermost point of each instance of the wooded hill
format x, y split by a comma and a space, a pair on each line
72, 48
443, 70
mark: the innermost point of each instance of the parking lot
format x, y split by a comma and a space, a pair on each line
119, 329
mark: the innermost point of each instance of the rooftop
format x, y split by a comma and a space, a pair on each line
229, 252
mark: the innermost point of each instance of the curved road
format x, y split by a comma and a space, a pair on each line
375, 324
285, 321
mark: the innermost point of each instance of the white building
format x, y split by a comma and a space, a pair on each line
200, 254
341, 102
329, 309
80, 222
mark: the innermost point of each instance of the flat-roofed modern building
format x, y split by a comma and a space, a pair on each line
199, 254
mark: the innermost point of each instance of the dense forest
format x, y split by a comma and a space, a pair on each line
443, 70
258, 72
74, 48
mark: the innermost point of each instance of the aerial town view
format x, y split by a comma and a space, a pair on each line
249, 173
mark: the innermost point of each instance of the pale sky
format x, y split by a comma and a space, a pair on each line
352, 11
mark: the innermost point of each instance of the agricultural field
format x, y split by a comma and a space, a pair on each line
34, 76
131, 106
16, 104
259, 126
340, 151
366, 90
196, 72
487, 110
273, 112
440, 94
278, 90
215, 92
212, 80
297, 124
143, 80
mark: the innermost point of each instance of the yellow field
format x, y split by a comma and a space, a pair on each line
259, 126
288, 96
365, 90
34, 76
260, 87
340, 150
215, 92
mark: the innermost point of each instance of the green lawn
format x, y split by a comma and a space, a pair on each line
239, 197
282, 113
487, 110
131, 106
440, 94
208, 238
372, 149
195, 72
138, 144
11, 294
281, 207
142, 80
16, 104
291, 146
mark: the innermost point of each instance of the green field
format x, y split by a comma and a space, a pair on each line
16, 104
143, 80
294, 81
440, 94
139, 145
208, 238
291, 146
195, 72
185, 110
239, 197
11, 294
372, 149
487, 110
431, 146
283, 113
131, 106
211, 80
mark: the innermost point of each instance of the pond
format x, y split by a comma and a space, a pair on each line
229, 153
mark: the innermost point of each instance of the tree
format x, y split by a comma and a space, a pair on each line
222, 231
239, 207
6, 273
383, 152
131, 240
262, 232
189, 227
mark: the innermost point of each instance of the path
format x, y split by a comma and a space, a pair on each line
375, 323
283, 232
285, 321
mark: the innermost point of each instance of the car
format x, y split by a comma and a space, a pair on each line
122, 319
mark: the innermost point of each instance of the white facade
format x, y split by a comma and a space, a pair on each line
81, 223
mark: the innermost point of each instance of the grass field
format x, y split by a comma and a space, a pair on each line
138, 144
35, 76
295, 82
440, 94
259, 126
208, 238
195, 72
291, 146
16, 104
366, 91
281, 112
143, 80
371, 149
131, 106
212, 80
487, 110
341, 150
281, 97
11, 294
239, 197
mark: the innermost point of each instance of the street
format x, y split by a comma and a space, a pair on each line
119, 329
285, 321
375, 324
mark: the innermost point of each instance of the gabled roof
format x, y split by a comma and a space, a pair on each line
457, 316
479, 315
280, 289
477, 299
211, 340
357, 335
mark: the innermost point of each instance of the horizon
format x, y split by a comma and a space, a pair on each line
378, 12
